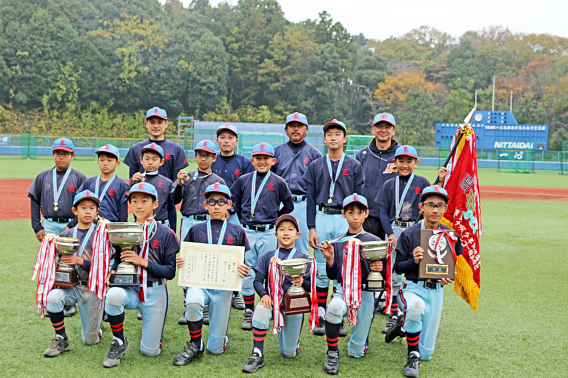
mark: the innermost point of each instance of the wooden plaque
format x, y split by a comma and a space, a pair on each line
429, 268
296, 304
66, 278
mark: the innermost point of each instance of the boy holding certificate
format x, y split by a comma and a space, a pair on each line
217, 230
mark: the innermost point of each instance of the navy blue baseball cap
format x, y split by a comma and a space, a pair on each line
263, 149
205, 145
434, 189
355, 198
384, 117
157, 112
289, 218
84, 195
218, 188
109, 149
228, 127
154, 148
63, 144
143, 187
335, 123
297, 117
406, 150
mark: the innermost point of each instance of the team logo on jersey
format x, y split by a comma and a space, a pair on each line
161, 185
237, 172
168, 156
155, 244
111, 192
306, 160
271, 187
72, 188
346, 172
230, 240
391, 168
418, 190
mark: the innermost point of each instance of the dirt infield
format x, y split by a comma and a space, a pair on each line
15, 204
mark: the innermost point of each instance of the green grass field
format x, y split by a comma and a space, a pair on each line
28, 169
519, 331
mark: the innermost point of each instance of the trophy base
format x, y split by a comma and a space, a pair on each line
66, 278
296, 304
375, 286
124, 280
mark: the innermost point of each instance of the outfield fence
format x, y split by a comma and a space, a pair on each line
35, 146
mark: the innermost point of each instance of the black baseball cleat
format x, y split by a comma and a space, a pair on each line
58, 346
115, 353
139, 316
395, 331
343, 329
331, 364
412, 368
190, 353
247, 324
390, 323
182, 320
254, 363
238, 302
206, 314
320, 330
69, 311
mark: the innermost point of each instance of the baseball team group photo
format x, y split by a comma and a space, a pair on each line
185, 234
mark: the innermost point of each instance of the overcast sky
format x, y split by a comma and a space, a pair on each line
380, 19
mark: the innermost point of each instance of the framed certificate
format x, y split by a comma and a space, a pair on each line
211, 266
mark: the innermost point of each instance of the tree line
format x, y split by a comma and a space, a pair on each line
91, 69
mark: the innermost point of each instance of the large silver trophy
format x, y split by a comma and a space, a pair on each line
125, 235
374, 251
66, 275
296, 300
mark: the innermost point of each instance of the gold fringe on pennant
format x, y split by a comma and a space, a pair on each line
464, 285
447, 223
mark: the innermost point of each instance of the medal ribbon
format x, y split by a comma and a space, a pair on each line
100, 261
400, 201
276, 293
106, 187
146, 173
210, 233
57, 191
314, 318
196, 175
329, 168
44, 269
255, 196
85, 240
351, 277
341, 238
148, 230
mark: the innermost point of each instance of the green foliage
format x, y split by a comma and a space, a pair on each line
559, 136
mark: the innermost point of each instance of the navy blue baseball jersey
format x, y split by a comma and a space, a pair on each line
261, 267
234, 234
230, 168
174, 158
162, 252
334, 271
80, 234
163, 186
114, 202
191, 192
387, 198
267, 210
351, 175
292, 161
410, 239
41, 193
378, 167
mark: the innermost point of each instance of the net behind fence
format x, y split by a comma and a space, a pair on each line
515, 161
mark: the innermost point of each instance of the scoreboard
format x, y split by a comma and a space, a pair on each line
497, 130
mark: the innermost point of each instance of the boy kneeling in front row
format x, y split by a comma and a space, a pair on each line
217, 230
269, 284
342, 265
421, 300
86, 208
156, 259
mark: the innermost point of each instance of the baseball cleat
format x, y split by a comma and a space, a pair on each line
395, 331
331, 364
190, 353
58, 346
254, 363
390, 323
343, 329
320, 330
206, 314
238, 302
139, 316
69, 311
182, 320
115, 353
247, 325
412, 368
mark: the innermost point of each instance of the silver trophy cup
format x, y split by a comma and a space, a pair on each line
125, 235
374, 251
66, 275
296, 300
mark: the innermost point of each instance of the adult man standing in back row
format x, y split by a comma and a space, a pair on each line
292, 161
